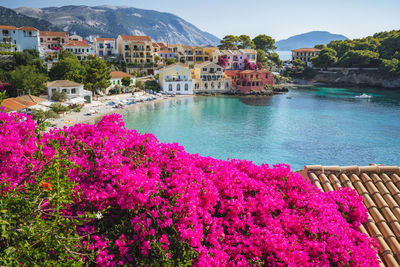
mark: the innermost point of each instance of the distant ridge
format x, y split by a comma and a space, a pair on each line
110, 21
12, 18
309, 39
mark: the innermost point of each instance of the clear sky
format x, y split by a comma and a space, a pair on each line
278, 18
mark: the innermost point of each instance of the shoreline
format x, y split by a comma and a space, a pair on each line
72, 118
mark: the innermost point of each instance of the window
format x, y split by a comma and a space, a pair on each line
53, 90
64, 90
218, 69
186, 87
206, 85
113, 82
170, 87
219, 85
73, 91
118, 81
204, 69
196, 86
178, 87
212, 85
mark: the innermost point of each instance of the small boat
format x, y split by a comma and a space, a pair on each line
363, 96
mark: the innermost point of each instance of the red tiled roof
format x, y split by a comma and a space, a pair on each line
7, 27
306, 50
77, 43
380, 188
119, 74
155, 45
30, 98
104, 39
135, 38
57, 34
28, 29
14, 104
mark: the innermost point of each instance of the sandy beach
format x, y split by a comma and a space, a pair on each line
93, 112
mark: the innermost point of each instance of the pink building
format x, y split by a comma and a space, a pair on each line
250, 80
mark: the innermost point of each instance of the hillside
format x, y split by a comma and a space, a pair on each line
109, 21
309, 39
10, 17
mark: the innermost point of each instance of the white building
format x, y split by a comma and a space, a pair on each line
79, 49
18, 39
116, 79
104, 47
71, 89
176, 79
305, 54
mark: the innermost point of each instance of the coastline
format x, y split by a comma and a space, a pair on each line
71, 118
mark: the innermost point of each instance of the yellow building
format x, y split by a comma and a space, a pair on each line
135, 49
209, 77
176, 79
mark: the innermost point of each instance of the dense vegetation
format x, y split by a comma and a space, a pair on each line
264, 44
382, 50
26, 72
102, 194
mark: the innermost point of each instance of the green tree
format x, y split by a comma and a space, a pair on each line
28, 79
97, 74
229, 42
245, 42
390, 47
170, 61
68, 68
261, 57
140, 85
360, 58
41, 116
326, 58
157, 59
59, 108
274, 58
57, 96
3, 96
391, 66
126, 81
264, 42
319, 46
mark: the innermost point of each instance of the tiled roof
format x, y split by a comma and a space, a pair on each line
306, 50
119, 74
14, 104
165, 51
77, 43
155, 45
30, 98
380, 188
104, 39
7, 27
28, 29
63, 83
57, 34
135, 38
249, 51
172, 65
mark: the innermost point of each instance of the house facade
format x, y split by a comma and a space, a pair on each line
104, 47
18, 39
235, 58
52, 41
79, 48
71, 89
165, 54
209, 78
116, 79
176, 79
305, 54
135, 49
250, 80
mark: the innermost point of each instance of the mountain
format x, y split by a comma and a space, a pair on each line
10, 17
309, 39
110, 21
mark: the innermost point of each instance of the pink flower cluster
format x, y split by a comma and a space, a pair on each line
230, 213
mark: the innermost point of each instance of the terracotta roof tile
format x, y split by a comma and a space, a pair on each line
135, 38
104, 39
77, 43
31, 98
28, 29
57, 34
379, 187
119, 74
63, 83
306, 50
7, 27
13, 104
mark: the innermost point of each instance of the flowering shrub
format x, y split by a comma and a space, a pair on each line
223, 61
248, 65
107, 195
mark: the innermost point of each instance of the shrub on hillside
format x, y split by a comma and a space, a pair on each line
102, 194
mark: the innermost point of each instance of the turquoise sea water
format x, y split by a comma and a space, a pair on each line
326, 126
